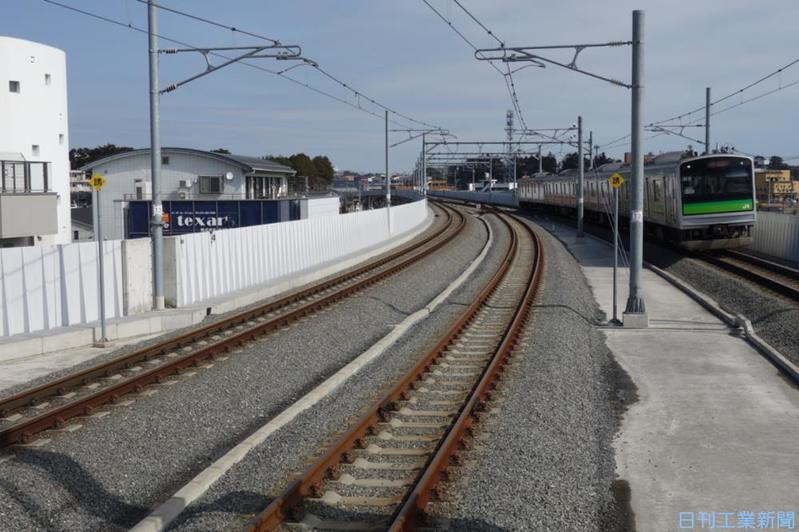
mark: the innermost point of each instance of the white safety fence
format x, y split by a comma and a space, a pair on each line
42, 287
209, 265
507, 199
776, 234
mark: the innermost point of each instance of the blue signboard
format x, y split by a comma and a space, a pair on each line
195, 216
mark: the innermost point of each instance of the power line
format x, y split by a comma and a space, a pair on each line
763, 95
356, 93
281, 73
488, 31
734, 93
212, 22
507, 76
724, 98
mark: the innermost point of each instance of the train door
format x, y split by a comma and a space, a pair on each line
670, 198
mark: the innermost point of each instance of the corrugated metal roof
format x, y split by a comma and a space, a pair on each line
261, 165
248, 164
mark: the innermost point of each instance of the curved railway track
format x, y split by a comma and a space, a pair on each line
382, 472
777, 277
50, 405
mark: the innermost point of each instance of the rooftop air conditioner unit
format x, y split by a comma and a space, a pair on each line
184, 190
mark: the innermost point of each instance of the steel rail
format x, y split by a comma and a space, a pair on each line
286, 506
409, 514
23, 431
773, 276
766, 264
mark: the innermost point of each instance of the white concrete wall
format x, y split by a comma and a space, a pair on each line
37, 115
209, 265
495, 198
43, 287
137, 276
776, 234
318, 207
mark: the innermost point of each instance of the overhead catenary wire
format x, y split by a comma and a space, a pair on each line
358, 94
211, 22
732, 94
507, 75
281, 73
726, 97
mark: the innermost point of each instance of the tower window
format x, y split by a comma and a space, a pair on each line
35, 150
13, 86
47, 79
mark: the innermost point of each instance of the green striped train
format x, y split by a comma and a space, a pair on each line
696, 202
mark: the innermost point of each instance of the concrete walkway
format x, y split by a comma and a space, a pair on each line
712, 441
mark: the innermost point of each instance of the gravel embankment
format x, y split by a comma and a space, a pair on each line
774, 318
249, 486
543, 460
110, 473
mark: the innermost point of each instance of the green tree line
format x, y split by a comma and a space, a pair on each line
319, 170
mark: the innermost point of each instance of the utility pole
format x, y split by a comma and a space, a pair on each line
388, 178
98, 235
276, 50
707, 120
591, 149
635, 312
540, 161
424, 163
580, 178
509, 138
515, 183
156, 221
596, 152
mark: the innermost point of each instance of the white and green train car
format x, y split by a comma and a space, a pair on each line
697, 202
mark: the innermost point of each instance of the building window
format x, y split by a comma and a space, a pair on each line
13, 86
164, 159
210, 184
35, 150
47, 79
61, 139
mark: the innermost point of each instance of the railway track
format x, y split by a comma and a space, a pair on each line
51, 405
383, 471
777, 277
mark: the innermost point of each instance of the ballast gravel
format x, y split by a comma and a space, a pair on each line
250, 485
542, 458
114, 470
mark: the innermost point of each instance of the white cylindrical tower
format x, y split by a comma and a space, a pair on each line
33, 107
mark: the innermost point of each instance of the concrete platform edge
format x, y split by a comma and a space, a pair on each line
152, 322
782, 363
737, 322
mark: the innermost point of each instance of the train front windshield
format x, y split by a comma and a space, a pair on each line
717, 185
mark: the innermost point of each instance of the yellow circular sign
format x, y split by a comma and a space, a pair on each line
97, 181
616, 180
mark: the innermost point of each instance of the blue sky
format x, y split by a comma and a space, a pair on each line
400, 53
